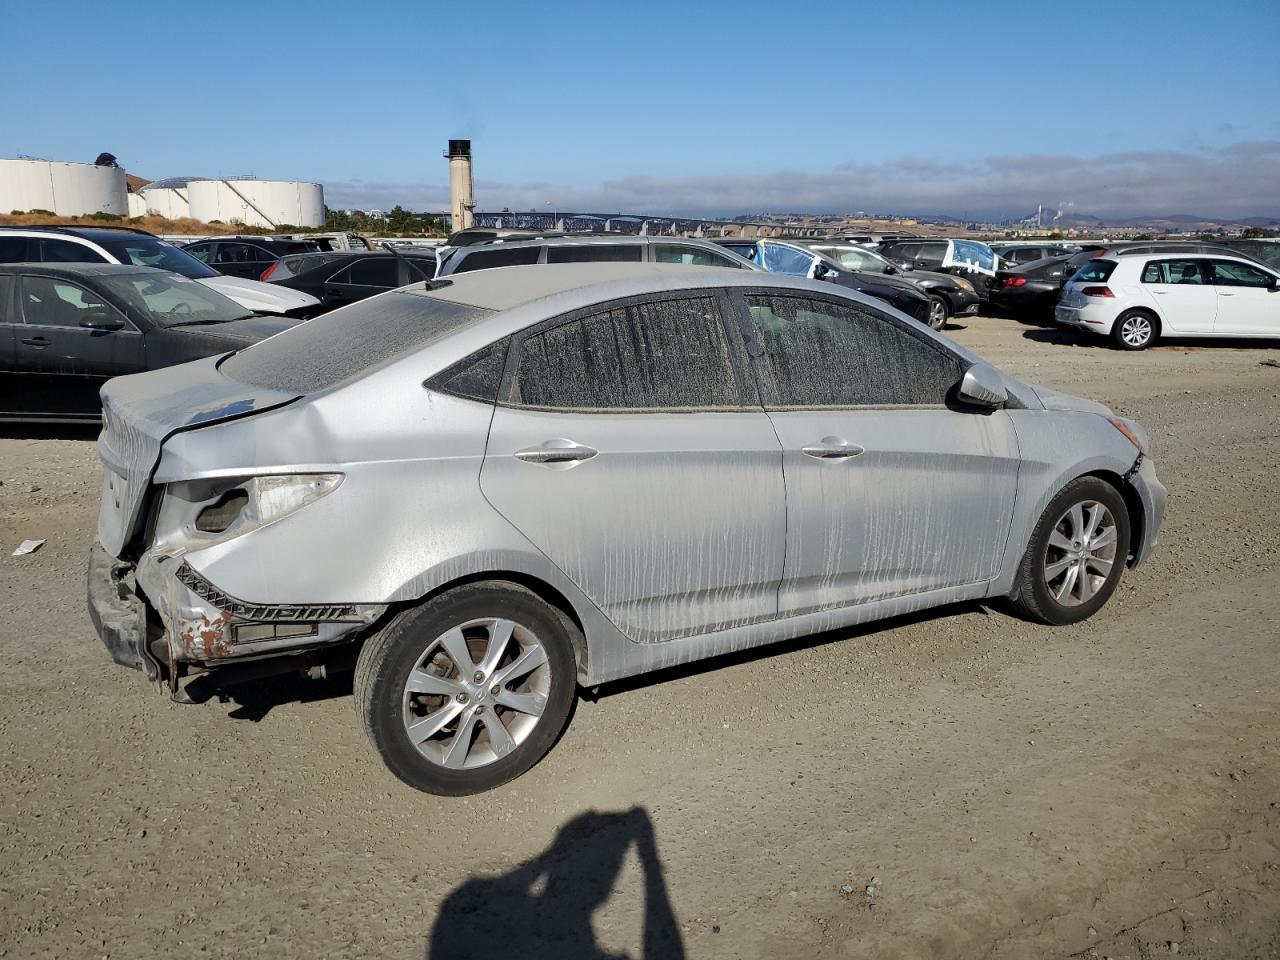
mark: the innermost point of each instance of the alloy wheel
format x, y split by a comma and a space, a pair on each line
1136, 330
937, 314
1081, 553
476, 693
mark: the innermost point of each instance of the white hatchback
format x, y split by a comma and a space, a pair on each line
1137, 298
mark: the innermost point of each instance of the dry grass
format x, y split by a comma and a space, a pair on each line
159, 225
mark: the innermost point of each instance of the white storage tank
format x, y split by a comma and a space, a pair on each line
137, 206
257, 203
168, 197
67, 189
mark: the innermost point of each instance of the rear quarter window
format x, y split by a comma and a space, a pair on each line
498, 257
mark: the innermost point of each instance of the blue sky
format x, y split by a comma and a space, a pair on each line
693, 107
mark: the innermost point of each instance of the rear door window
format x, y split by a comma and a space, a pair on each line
596, 252
691, 256
747, 250
930, 254
233, 253
648, 355
375, 272
1170, 271
65, 251
498, 257
14, 250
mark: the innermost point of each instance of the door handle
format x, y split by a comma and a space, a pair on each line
832, 448
1221, 294
556, 451
36, 342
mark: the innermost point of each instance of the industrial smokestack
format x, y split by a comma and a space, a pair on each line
461, 202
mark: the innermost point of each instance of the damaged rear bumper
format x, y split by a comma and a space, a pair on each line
202, 626
1153, 495
118, 613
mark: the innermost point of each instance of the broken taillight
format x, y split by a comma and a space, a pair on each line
216, 518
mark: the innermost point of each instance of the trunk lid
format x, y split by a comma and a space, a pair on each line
140, 412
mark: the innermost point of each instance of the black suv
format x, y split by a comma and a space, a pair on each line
248, 257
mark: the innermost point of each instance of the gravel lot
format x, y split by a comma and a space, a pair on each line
956, 784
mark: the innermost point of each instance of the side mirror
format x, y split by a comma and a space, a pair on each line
823, 272
982, 387
102, 320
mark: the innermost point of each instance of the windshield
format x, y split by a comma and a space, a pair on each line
144, 251
173, 301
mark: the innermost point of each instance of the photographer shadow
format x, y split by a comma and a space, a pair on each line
543, 908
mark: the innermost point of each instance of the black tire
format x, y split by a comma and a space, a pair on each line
939, 311
1126, 332
388, 657
1035, 600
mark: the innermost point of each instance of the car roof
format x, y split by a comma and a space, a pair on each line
1225, 253
72, 270
420, 253
504, 288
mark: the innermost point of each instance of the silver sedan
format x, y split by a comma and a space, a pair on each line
489, 490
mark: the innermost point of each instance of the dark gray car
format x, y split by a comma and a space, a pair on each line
65, 329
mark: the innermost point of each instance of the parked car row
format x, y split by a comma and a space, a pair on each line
74, 244
1136, 292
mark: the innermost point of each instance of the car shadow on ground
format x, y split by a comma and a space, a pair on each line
254, 699
1074, 338
1068, 337
543, 908
784, 646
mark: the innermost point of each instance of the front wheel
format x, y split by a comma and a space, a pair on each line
938, 312
469, 690
1076, 555
1134, 330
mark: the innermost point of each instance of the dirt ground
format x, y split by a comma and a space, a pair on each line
955, 784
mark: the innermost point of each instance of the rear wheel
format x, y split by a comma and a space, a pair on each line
468, 690
939, 311
1134, 330
1076, 554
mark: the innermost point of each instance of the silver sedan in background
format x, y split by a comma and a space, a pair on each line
494, 488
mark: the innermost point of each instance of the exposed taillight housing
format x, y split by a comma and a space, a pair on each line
1015, 281
1097, 292
269, 271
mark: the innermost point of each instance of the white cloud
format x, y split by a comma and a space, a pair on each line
1239, 180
